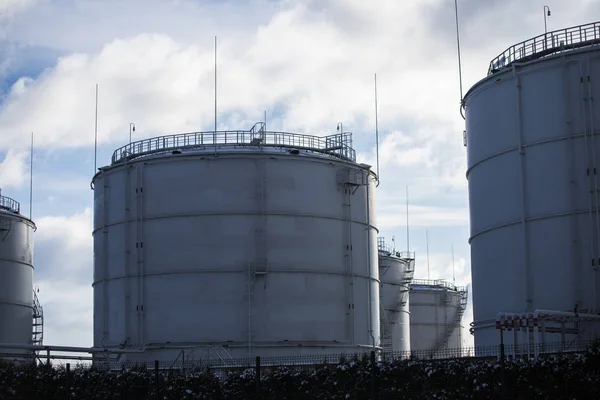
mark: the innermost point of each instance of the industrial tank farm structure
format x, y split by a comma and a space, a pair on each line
235, 244
533, 173
436, 310
20, 312
396, 270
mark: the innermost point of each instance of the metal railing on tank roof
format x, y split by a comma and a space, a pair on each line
438, 283
338, 145
549, 43
6, 203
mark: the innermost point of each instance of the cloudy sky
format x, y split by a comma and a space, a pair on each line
309, 64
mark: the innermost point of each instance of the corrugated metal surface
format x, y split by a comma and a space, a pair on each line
533, 156
242, 253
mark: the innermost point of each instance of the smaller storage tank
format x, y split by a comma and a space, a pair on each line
17, 308
436, 310
396, 270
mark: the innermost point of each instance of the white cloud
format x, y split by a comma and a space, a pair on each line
13, 169
63, 272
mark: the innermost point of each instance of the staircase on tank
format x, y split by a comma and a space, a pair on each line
38, 321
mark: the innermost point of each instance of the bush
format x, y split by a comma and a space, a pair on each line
573, 376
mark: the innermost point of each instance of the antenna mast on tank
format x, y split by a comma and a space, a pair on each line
215, 133
376, 132
96, 133
459, 63
427, 242
407, 230
453, 273
31, 177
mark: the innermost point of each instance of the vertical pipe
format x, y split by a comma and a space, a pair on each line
369, 263
526, 266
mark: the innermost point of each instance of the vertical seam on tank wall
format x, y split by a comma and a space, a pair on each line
528, 282
572, 185
592, 246
593, 135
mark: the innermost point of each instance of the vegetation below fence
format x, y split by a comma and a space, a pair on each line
567, 376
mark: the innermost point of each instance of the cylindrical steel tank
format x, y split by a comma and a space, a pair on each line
16, 277
436, 310
533, 165
235, 244
396, 270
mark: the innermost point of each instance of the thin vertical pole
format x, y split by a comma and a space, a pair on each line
407, 230
453, 273
458, 50
376, 128
96, 134
31, 177
427, 242
215, 133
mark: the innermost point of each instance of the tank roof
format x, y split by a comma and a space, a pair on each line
338, 145
549, 43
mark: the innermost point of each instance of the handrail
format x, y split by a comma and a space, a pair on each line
9, 204
337, 145
549, 43
383, 246
437, 283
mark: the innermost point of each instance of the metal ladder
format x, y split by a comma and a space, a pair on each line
349, 182
38, 321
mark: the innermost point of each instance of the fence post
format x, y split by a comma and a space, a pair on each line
156, 380
373, 377
257, 377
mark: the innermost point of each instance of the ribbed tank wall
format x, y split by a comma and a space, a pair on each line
434, 321
395, 274
267, 254
16, 280
533, 155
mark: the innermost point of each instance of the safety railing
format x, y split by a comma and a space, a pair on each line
383, 246
439, 283
546, 44
6, 203
338, 145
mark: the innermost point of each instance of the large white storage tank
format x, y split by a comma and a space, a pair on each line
436, 310
533, 174
235, 244
396, 270
16, 280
